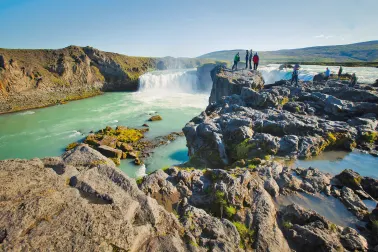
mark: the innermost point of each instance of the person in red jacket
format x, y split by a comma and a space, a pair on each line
256, 60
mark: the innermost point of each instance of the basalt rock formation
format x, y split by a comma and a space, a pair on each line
227, 82
281, 120
39, 78
245, 196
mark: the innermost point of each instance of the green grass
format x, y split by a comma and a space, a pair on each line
230, 211
71, 146
251, 166
139, 180
246, 235
333, 228
287, 224
370, 137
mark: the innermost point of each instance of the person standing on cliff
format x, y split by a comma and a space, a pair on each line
236, 60
256, 60
295, 74
353, 80
327, 74
246, 59
340, 72
250, 60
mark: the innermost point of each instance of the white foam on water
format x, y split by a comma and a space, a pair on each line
75, 134
169, 81
271, 73
141, 171
28, 112
171, 88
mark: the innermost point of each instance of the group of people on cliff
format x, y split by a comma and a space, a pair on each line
249, 57
327, 74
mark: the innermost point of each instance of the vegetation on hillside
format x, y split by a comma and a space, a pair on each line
353, 53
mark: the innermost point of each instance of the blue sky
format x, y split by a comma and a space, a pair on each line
185, 27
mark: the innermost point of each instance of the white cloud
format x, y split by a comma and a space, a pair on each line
320, 36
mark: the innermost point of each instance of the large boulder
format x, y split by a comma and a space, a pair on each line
309, 231
353, 203
83, 155
370, 185
109, 151
97, 209
350, 178
208, 231
269, 236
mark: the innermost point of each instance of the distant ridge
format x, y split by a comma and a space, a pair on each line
358, 52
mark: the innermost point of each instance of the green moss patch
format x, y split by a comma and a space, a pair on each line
370, 137
71, 146
246, 235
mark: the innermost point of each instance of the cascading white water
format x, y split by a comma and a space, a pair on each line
271, 73
170, 81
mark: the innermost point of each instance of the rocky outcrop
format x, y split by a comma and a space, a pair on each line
125, 143
237, 195
282, 120
79, 202
308, 231
245, 196
227, 82
39, 78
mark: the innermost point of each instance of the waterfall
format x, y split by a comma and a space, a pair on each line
170, 81
271, 73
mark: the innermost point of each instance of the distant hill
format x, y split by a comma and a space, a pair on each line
359, 52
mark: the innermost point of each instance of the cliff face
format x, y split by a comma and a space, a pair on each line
243, 122
38, 78
226, 82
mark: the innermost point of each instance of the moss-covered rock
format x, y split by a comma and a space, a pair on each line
71, 146
155, 118
350, 178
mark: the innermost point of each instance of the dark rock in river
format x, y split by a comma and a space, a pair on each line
155, 118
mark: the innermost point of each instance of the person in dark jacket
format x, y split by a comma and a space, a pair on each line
236, 60
340, 72
250, 59
353, 81
294, 76
256, 60
246, 59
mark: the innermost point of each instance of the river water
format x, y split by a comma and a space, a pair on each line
175, 94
